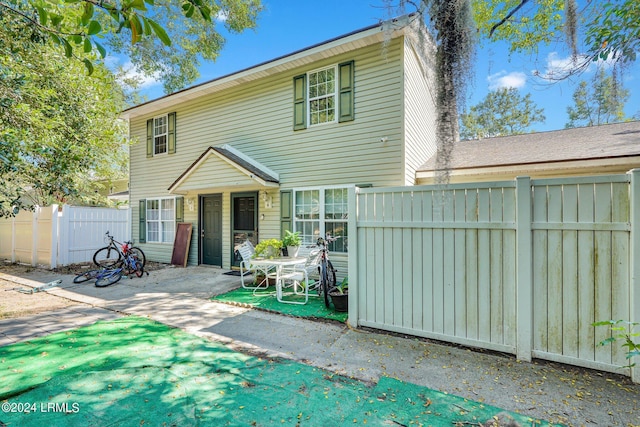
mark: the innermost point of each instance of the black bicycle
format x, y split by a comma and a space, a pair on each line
327, 272
112, 255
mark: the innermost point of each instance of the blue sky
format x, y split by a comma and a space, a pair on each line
286, 26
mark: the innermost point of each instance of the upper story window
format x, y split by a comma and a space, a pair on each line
324, 96
160, 135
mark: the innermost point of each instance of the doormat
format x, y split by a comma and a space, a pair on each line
236, 273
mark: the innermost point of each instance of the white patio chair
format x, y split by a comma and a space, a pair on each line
246, 251
296, 275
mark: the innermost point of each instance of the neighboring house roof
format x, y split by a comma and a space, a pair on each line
617, 143
344, 43
238, 160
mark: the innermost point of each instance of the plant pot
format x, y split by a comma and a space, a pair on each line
292, 251
340, 301
272, 252
260, 279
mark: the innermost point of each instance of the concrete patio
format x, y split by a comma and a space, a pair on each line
181, 298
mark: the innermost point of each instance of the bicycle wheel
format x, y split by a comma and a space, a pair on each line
331, 277
324, 286
107, 257
87, 275
134, 265
330, 281
137, 252
109, 278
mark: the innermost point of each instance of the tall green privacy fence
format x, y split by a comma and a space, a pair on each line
523, 267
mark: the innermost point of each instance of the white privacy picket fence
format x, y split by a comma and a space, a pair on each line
54, 237
523, 267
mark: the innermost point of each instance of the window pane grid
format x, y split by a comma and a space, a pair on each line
322, 90
160, 220
307, 214
318, 212
160, 125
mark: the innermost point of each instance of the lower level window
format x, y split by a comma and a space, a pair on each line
321, 211
161, 220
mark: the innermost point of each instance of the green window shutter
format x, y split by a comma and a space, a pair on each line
300, 102
171, 133
150, 138
346, 74
180, 209
142, 229
286, 211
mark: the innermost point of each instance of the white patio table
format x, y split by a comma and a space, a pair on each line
268, 265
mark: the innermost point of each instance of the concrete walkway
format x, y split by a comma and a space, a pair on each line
180, 298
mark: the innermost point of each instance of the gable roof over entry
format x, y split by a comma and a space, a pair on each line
224, 166
612, 148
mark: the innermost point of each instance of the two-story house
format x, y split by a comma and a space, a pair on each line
275, 146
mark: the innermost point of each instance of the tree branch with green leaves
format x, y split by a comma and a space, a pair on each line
502, 112
161, 37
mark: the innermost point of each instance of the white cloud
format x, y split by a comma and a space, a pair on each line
558, 68
222, 16
129, 72
502, 79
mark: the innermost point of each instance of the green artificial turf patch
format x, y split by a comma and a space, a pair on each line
134, 372
266, 300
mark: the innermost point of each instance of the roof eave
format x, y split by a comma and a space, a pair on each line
539, 168
355, 40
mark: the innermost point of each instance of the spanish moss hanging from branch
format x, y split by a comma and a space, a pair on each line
571, 27
451, 23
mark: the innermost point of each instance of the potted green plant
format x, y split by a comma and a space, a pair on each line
292, 242
340, 296
269, 248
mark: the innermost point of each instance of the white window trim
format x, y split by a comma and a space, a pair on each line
159, 199
166, 134
335, 96
321, 214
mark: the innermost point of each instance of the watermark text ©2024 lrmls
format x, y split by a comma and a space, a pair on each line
28, 407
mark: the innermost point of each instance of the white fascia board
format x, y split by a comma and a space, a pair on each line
377, 34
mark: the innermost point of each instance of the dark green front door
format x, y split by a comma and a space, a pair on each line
211, 229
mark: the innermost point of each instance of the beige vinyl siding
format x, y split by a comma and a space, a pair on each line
420, 111
215, 173
192, 217
257, 119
